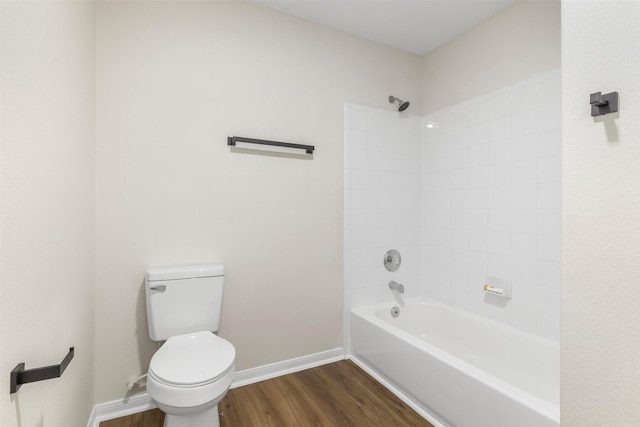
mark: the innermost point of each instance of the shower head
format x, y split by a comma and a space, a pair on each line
402, 105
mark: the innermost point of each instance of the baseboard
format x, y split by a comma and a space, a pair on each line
142, 402
261, 373
432, 418
120, 408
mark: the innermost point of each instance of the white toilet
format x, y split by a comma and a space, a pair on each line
193, 369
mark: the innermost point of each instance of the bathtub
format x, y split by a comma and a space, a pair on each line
460, 369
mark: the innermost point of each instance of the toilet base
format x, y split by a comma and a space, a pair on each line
208, 418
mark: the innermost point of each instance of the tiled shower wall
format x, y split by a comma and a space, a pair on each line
491, 204
484, 201
381, 203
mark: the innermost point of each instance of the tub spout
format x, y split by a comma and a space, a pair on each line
395, 286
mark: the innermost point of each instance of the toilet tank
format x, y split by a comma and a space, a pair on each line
181, 300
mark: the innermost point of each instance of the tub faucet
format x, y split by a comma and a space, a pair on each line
395, 286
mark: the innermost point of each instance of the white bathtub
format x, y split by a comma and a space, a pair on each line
461, 369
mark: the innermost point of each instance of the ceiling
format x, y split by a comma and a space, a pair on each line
415, 26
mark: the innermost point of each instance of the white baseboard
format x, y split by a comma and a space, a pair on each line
120, 408
261, 373
142, 402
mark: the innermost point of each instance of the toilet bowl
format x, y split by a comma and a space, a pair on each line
188, 376
193, 370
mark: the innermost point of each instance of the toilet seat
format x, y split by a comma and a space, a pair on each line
192, 360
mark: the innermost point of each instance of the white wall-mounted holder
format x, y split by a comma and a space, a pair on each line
497, 287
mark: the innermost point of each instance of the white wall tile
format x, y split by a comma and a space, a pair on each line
478, 240
479, 194
478, 260
549, 143
499, 243
357, 297
478, 176
548, 274
549, 116
524, 220
548, 248
524, 245
356, 139
500, 219
373, 159
549, 169
443, 180
500, 128
383, 180
549, 326
460, 258
524, 270
548, 300
524, 147
356, 159
500, 197
356, 118
460, 178
548, 195
478, 219
356, 278
525, 295
524, 172
460, 198
460, 219
500, 151
501, 205
479, 155
358, 178
523, 196
478, 198
548, 221
459, 280
524, 123
478, 134
500, 175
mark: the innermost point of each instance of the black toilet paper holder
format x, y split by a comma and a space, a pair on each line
20, 376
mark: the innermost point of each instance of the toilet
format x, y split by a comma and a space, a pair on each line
193, 370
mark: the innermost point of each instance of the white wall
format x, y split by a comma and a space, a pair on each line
516, 44
491, 204
174, 79
47, 217
382, 204
600, 352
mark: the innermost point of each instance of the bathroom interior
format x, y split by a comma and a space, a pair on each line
114, 159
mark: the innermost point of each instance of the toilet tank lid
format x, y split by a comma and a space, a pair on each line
184, 272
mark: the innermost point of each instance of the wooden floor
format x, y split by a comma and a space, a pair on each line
338, 394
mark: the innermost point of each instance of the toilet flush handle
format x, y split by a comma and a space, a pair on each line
160, 288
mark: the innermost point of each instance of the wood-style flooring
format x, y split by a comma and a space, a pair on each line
337, 394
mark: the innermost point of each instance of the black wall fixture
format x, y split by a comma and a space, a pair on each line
603, 104
233, 139
20, 376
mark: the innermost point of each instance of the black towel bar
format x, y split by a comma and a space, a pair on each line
231, 140
20, 376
